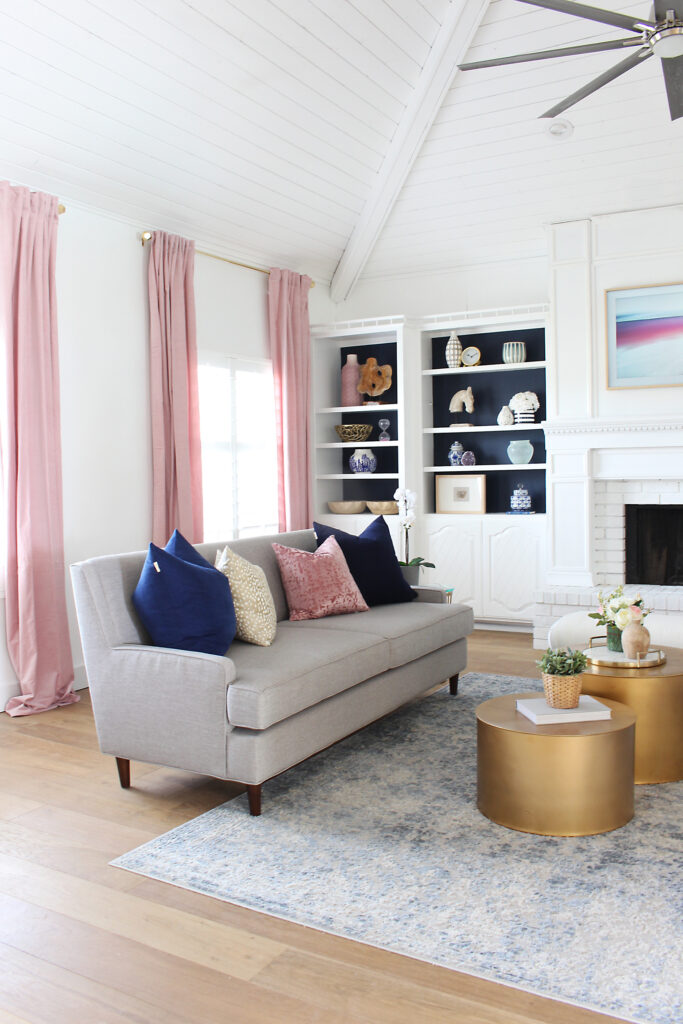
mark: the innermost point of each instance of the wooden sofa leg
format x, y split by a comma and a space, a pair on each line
254, 793
123, 765
453, 684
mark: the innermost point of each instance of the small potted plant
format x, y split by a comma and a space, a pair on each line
561, 669
410, 567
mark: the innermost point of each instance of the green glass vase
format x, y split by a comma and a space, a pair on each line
614, 638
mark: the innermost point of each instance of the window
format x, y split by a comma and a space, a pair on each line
239, 448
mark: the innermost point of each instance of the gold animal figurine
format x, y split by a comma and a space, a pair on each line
462, 398
374, 379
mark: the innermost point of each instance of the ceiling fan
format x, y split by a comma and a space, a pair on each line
662, 38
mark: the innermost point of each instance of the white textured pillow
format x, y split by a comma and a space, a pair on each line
254, 607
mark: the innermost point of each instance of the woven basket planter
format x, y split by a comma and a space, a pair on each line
562, 691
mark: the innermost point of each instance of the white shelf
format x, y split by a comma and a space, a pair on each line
357, 476
486, 468
463, 429
485, 368
358, 444
358, 408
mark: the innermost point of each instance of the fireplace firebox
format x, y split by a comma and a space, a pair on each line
654, 544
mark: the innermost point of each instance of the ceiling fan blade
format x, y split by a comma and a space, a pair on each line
593, 13
565, 51
672, 69
597, 83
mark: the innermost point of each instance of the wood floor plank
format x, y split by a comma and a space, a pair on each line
233, 952
94, 959
12, 806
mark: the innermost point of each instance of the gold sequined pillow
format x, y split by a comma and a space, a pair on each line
254, 608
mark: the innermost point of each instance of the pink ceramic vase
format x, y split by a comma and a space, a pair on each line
635, 640
350, 375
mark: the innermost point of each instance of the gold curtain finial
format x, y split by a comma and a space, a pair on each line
61, 208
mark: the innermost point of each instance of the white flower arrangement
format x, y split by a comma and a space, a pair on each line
618, 610
406, 501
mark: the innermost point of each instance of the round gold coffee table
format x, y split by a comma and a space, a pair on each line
555, 780
656, 696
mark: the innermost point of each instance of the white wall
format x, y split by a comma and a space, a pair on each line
484, 286
103, 331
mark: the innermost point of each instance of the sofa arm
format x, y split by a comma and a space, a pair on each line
164, 706
434, 594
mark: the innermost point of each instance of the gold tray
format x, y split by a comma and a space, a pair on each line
599, 655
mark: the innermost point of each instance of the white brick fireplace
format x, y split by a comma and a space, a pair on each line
595, 469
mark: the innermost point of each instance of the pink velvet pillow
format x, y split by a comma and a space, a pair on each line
318, 583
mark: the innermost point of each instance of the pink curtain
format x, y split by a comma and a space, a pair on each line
290, 349
35, 595
176, 447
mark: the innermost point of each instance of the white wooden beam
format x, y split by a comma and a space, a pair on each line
452, 42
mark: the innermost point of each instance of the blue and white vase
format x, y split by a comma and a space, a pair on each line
363, 460
455, 454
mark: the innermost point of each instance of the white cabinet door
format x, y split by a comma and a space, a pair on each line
513, 556
454, 545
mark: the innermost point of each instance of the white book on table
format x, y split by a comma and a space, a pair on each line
538, 711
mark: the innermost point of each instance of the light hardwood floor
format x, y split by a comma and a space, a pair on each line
84, 943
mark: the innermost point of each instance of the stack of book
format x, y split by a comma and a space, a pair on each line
538, 711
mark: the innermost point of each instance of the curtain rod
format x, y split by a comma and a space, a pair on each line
61, 208
146, 236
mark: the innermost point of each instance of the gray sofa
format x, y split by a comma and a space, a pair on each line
259, 710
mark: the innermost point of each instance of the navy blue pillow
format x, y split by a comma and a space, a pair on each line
372, 561
184, 604
182, 548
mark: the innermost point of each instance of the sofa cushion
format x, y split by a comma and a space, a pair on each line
318, 583
410, 630
181, 548
300, 670
372, 561
254, 608
184, 605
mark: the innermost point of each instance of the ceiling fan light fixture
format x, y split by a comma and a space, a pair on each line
668, 42
559, 128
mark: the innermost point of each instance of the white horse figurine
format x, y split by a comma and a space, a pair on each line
460, 398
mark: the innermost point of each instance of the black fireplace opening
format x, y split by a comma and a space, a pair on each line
654, 544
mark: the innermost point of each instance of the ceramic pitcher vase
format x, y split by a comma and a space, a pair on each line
635, 640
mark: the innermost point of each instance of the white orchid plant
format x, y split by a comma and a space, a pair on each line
406, 501
616, 609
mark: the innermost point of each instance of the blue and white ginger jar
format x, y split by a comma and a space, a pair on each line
455, 454
363, 460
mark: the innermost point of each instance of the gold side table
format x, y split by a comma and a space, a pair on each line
656, 696
556, 780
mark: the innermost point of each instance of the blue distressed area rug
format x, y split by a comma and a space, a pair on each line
379, 839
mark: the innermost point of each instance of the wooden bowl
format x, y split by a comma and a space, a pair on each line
383, 508
346, 508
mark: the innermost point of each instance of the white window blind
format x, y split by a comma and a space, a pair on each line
239, 460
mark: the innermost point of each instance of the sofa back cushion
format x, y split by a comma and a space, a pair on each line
259, 551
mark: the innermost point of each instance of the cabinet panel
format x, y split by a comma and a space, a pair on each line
513, 556
455, 550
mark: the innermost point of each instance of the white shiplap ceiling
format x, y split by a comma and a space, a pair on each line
267, 129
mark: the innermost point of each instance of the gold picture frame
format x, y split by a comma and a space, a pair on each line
459, 493
644, 335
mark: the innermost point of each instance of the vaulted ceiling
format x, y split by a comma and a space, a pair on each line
335, 137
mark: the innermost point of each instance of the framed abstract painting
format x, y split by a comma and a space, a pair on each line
645, 337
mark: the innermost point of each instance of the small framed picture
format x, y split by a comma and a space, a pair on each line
645, 337
460, 492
